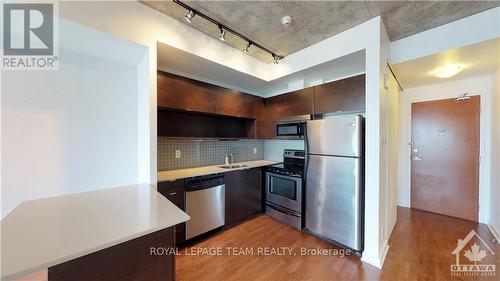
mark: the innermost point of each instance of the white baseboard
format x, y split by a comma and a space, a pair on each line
495, 232
377, 261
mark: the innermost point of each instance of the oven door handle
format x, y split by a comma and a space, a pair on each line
281, 209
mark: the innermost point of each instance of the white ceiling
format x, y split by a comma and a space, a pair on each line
477, 59
173, 60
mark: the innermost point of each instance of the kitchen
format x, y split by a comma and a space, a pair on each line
259, 185
183, 141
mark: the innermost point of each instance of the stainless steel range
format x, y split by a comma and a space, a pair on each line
284, 188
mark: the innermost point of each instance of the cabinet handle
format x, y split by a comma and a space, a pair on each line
172, 193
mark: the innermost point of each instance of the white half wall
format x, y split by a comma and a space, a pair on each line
481, 86
74, 129
494, 216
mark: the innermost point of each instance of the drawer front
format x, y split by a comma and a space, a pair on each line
177, 198
171, 186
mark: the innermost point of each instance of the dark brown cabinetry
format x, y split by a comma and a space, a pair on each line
234, 103
181, 93
205, 110
175, 192
341, 95
243, 194
130, 260
293, 103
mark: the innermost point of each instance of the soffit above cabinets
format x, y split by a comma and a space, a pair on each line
314, 21
182, 63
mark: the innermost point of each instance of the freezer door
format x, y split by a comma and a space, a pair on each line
335, 136
334, 199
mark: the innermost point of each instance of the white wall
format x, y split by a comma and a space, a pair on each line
74, 129
474, 86
392, 99
494, 216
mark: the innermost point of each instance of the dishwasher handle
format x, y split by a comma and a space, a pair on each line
204, 182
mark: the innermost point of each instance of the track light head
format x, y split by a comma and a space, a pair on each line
189, 16
222, 34
247, 46
276, 58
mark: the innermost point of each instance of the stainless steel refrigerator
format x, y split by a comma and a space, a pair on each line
334, 179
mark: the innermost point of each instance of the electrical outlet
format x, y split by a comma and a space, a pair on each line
255, 150
177, 154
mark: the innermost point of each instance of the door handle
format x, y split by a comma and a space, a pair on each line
416, 158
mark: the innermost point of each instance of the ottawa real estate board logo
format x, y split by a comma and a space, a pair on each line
29, 37
473, 257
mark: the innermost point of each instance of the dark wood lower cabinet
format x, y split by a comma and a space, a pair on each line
175, 191
128, 261
243, 195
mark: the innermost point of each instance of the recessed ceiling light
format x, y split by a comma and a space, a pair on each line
189, 16
448, 70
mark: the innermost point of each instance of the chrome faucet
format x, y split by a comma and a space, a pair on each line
229, 158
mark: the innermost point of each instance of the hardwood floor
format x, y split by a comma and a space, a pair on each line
420, 249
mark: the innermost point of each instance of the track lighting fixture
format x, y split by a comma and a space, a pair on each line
189, 15
222, 34
223, 29
276, 58
247, 46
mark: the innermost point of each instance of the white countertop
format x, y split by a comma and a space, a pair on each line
202, 171
41, 233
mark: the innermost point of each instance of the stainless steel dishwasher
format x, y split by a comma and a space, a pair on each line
204, 204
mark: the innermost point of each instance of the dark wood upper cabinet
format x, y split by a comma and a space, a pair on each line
177, 92
341, 95
234, 103
184, 94
292, 104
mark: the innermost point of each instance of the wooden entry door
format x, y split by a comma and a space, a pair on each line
445, 157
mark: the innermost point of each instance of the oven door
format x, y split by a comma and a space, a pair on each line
285, 191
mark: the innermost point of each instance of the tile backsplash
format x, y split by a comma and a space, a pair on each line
273, 149
199, 153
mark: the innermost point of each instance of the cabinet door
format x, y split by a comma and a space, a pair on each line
175, 192
293, 103
185, 94
234, 103
342, 95
243, 195
266, 122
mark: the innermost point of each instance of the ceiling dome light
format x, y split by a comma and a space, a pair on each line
448, 71
222, 34
189, 16
247, 46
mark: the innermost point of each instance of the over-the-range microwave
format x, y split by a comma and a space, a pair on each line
291, 127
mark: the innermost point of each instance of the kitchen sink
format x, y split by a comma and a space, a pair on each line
235, 166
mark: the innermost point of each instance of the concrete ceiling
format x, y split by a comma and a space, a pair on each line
314, 21
477, 59
182, 63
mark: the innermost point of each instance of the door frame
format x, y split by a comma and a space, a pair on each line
452, 90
